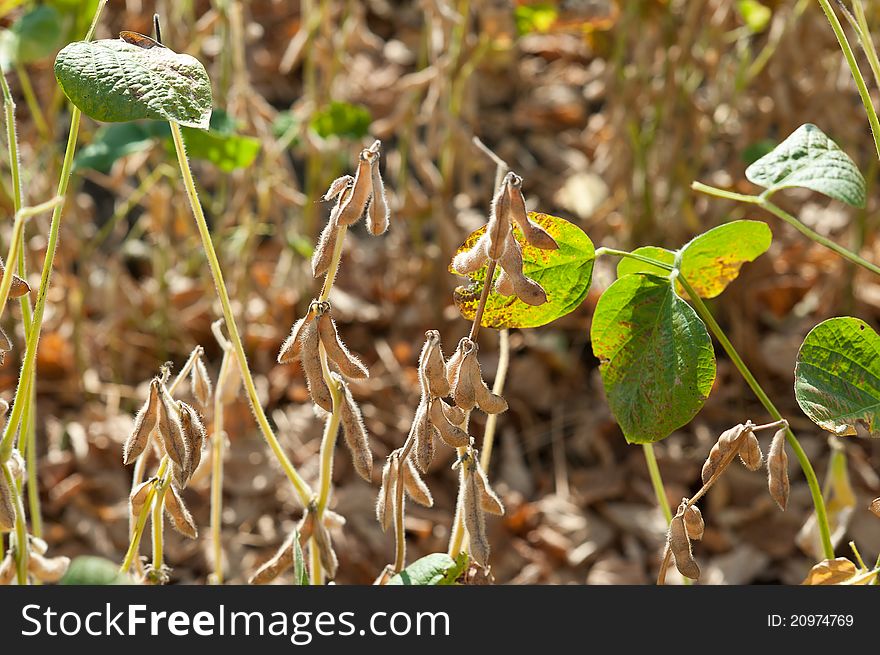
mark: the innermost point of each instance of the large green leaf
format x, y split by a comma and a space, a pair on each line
115, 81
711, 260
809, 159
564, 273
656, 357
112, 142
837, 376
34, 36
430, 570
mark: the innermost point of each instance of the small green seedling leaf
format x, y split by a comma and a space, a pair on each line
89, 570
711, 260
656, 357
565, 274
34, 36
342, 119
115, 81
755, 15
436, 569
837, 376
809, 159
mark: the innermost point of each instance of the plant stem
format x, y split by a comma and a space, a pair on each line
21, 543
861, 26
135, 541
302, 488
159, 526
809, 473
32, 102
764, 202
657, 481
645, 260
484, 296
217, 447
854, 69
497, 388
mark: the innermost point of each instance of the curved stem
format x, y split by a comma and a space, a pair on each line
809, 473
854, 69
632, 255
302, 488
497, 388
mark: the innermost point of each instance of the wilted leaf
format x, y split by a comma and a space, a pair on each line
657, 361
831, 571
433, 569
564, 273
809, 159
837, 376
115, 81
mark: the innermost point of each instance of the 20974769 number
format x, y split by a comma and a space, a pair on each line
810, 621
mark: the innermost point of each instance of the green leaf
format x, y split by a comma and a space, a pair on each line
755, 15
115, 81
342, 119
837, 376
713, 259
656, 357
565, 275
431, 570
710, 261
809, 159
226, 151
89, 570
113, 142
34, 36
535, 18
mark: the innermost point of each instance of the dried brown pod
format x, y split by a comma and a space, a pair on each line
432, 365
750, 452
200, 382
453, 435
47, 569
5, 345
452, 413
680, 547
454, 363
414, 485
693, 523
329, 561
489, 402
337, 186
875, 506
323, 254
170, 431
19, 287
7, 507
777, 471
385, 500
144, 424
181, 519
525, 288
311, 364
292, 345
499, 222
504, 284
532, 232
139, 496
353, 208
729, 439
474, 519
7, 569
377, 211
423, 432
355, 433
194, 435
464, 390
16, 465
489, 500
278, 564
471, 261
350, 365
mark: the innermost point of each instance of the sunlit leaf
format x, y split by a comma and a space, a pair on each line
342, 119
830, 572
226, 151
565, 275
629, 266
115, 81
656, 357
809, 159
431, 570
837, 376
535, 18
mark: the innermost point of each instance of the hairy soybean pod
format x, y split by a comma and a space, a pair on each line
7, 507
693, 523
452, 413
139, 496
350, 365
200, 383
423, 432
432, 366
19, 287
489, 500
453, 435
323, 254
355, 434
777, 472
680, 547
7, 569
504, 284
526, 289
489, 402
292, 345
278, 564
415, 486
171, 432
471, 261
474, 519
499, 222
377, 212
48, 569
311, 365
181, 519
385, 501
329, 561
353, 208
532, 232
874, 507
750, 452
144, 423
727, 440
193, 434
464, 392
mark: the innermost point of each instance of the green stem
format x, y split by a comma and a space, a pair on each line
497, 388
809, 473
217, 446
854, 69
764, 202
144, 514
32, 102
645, 260
159, 526
21, 542
302, 488
861, 26
657, 481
